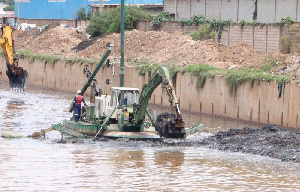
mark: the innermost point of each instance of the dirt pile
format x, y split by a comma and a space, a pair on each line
55, 40
270, 140
152, 46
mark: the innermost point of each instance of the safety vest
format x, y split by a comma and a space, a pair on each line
78, 100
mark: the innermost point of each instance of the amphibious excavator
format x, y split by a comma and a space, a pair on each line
17, 75
123, 113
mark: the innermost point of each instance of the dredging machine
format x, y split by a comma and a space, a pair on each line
124, 113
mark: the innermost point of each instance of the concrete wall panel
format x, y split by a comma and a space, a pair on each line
247, 35
184, 9
229, 10
169, 6
197, 7
260, 38
235, 35
266, 11
213, 9
298, 11
246, 9
273, 38
285, 8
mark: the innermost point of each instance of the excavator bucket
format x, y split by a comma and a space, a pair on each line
168, 126
17, 81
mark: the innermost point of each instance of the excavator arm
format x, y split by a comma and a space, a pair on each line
169, 125
17, 75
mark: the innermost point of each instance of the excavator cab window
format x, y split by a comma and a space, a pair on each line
130, 97
126, 98
10, 21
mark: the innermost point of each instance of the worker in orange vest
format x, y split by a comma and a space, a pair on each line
78, 99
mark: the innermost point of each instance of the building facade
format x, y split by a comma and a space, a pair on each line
64, 9
268, 11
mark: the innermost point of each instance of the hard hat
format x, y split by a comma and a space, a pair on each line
78, 92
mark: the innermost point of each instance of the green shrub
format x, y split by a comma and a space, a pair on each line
285, 20
195, 20
195, 70
109, 22
268, 64
82, 14
218, 26
9, 8
160, 18
204, 32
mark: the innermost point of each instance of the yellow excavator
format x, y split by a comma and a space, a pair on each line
17, 75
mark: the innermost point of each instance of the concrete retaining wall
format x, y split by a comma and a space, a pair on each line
268, 11
266, 38
259, 103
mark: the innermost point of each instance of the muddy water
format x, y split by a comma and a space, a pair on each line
44, 165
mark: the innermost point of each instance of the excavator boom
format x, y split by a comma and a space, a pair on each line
168, 125
17, 75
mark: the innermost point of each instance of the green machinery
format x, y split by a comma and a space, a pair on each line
124, 112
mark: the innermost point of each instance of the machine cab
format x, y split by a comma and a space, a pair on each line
124, 96
10, 21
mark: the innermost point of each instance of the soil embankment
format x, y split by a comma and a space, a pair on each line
154, 47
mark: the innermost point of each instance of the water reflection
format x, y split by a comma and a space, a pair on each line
127, 159
13, 109
172, 160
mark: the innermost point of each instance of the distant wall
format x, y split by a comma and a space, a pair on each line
259, 103
292, 32
268, 11
41, 22
264, 38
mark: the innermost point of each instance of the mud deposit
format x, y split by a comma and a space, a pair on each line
269, 140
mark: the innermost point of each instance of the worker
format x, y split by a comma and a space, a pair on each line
78, 99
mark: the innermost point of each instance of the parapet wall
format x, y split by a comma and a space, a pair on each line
259, 103
263, 38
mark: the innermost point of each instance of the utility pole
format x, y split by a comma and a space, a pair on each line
18, 13
122, 44
101, 7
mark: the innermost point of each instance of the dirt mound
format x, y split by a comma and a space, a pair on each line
152, 46
270, 140
54, 40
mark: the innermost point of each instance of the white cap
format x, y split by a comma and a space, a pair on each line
78, 92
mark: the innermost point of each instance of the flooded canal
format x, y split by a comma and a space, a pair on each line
28, 164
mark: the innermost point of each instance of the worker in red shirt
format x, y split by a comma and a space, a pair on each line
78, 99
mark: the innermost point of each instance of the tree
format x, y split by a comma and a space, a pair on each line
9, 8
109, 22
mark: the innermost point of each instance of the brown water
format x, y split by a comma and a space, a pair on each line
44, 165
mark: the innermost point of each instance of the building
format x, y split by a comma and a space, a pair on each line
65, 9
268, 11
152, 6
50, 9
